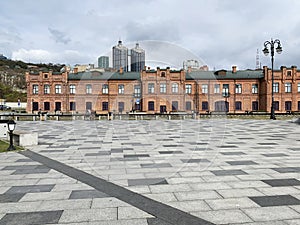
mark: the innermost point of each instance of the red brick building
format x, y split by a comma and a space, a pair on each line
164, 90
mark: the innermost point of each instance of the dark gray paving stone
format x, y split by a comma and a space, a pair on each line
24, 160
31, 171
173, 146
287, 169
97, 154
267, 143
156, 165
84, 194
32, 218
233, 153
9, 197
294, 149
30, 189
136, 155
275, 200
156, 221
116, 150
195, 160
228, 172
54, 151
227, 146
89, 148
282, 182
21, 167
146, 181
170, 152
275, 155
242, 162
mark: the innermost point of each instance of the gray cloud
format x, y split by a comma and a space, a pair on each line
59, 36
222, 33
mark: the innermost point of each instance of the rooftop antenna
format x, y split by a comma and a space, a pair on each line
258, 64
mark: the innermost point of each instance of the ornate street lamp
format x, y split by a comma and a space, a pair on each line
266, 52
11, 125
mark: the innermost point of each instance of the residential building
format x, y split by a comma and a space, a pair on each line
137, 58
120, 57
103, 62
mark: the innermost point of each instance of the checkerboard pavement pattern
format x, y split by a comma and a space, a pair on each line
222, 171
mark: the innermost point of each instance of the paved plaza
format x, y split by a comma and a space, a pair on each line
156, 172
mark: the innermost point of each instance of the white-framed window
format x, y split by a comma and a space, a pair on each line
238, 88
88, 89
163, 88
35, 89
217, 88
225, 90
298, 87
254, 88
288, 87
72, 89
46, 89
204, 88
137, 91
174, 88
150, 88
276, 87
121, 89
57, 89
188, 89
105, 89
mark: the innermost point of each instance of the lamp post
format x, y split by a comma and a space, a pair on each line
266, 52
11, 125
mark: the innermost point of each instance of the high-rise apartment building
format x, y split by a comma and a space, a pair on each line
137, 58
103, 62
120, 57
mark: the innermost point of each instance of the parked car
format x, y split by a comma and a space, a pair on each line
5, 107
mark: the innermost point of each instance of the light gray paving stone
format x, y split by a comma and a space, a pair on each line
223, 216
120, 222
231, 203
29, 197
210, 186
271, 213
194, 195
130, 212
65, 204
292, 222
263, 223
248, 184
189, 206
162, 197
235, 193
107, 202
83, 215
169, 188
278, 190
15, 207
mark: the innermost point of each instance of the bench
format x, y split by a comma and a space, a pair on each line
24, 138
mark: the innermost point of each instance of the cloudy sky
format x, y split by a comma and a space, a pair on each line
219, 33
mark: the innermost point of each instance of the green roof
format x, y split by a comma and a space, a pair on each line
96, 75
224, 75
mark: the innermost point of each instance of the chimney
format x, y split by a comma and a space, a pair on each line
75, 70
121, 71
233, 69
189, 69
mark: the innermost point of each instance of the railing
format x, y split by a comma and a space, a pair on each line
139, 116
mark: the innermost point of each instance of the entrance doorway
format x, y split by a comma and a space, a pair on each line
163, 109
221, 106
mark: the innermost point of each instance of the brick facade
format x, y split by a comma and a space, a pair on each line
164, 90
